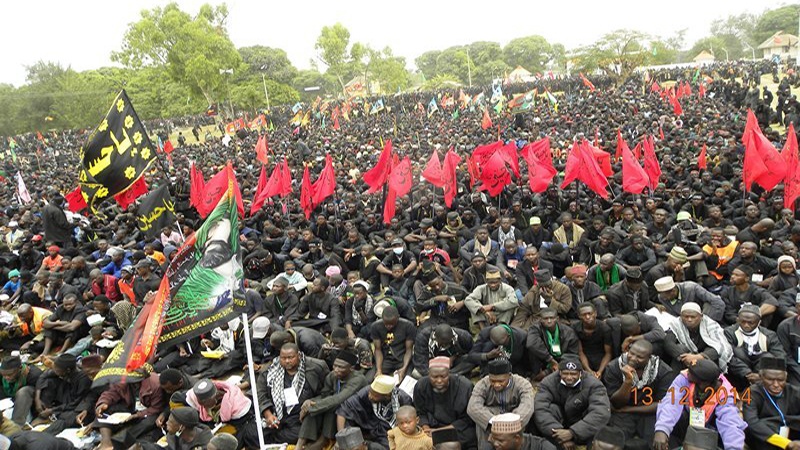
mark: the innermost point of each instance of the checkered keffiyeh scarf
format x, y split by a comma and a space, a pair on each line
648, 374
388, 412
275, 379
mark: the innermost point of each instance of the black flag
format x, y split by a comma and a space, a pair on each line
116, 153
156, 210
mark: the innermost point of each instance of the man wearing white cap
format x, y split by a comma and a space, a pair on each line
694, 336
373, 409
672, 296
506, 434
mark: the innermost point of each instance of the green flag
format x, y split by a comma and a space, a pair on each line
696, 76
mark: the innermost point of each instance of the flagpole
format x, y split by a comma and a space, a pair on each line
253, 385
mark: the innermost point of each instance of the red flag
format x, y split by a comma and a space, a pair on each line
701, 91
791, 184
603, 159
216, 187
687, 89
450, 182
39, 135
511, 157
75, 200
258, 197
762, 163
540, 164
651, 165
377, 176
325, 185
655, 87
336, 123
197, 186
261, 150
286, 179
494, 175
486, 122
634, 178
701, 160
637, 151
587, 83
620, 143
307, 194
482, 153
433, 170
400, 177
134, 191
582, 166
390, 206
168, 148
473, 169
676, 105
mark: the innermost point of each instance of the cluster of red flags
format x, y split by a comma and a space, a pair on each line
279, 183
204, 196
312, 195
635, 177
763, 164
443, 176
389, 169
539, 158
582, 165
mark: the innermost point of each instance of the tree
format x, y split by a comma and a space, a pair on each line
193, 50
616, 54
389, 70
716, 45
334, 50
249, 94
311, 78
426, 63
272, 62
781, 19
443, 81
530, 52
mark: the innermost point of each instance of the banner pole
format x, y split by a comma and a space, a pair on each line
253, 387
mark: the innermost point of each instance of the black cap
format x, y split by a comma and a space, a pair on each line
705, 370
348, 357
500, 366
11, 363
634, 274
765, 363
543, 276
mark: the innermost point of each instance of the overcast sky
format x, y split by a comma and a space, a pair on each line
82, 33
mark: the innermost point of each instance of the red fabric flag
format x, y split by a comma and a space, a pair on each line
450, 182
701, 91
274, 183
791, 184
306, 194
336, 123
258, 197
687, 89
494, 175
651, 165
762, 162
620, 143
474, 170
634, 178
134, 191
678, 90
286, 179
197, 185
389, 206
216, 188
325, 185
582, 166
587, 83
655, 87
482, 153
261, 150
701, 160
511, 157
168, 148
377, 176
637, 151
75, 200
676, 106
603, 159
486, 122
433, 170
400, 177
540, 164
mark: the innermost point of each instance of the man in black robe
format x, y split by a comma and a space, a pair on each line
284, 387
771, 408
318, 415
441, 400
373, 409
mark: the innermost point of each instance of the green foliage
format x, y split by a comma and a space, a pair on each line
272, 62
781, 19
616, 54
332, 47
249, 94
442, 81
389, 70
193, 50
530, 52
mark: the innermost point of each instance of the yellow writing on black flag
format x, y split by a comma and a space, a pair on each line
116, 153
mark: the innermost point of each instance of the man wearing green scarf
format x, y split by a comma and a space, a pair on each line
607, 273
19, 384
